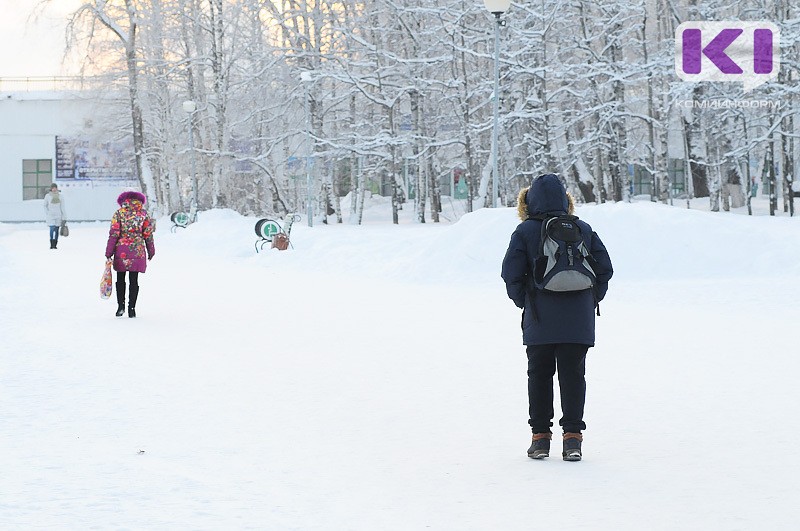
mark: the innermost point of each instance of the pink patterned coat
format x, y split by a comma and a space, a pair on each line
130, 240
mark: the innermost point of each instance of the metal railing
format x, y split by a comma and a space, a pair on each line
54, 83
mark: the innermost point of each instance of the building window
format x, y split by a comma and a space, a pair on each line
641, 180
37, 176
677, 174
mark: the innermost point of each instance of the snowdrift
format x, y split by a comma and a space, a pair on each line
646, 241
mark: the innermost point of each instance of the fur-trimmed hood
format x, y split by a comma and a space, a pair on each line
548, 196
132, 195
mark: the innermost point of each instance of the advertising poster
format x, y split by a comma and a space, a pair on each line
86, 159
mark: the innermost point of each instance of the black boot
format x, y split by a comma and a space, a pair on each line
572, 446
121, 298
52, 243
540, 446
55, 243
132, 300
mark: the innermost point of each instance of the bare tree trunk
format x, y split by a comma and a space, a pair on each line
355, 185
472, 165
128, 40
599, 181
436, 193
652, 115
773, 194
419, 197
337, 202
361, 190
620, 179
220, 81
393, 167
133, 91
715, 186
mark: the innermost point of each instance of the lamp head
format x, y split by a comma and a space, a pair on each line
497, 6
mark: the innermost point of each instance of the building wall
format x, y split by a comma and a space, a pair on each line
29, 124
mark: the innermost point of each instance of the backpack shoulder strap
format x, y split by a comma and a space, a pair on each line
545, 219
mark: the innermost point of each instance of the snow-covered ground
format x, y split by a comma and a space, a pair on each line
373, 377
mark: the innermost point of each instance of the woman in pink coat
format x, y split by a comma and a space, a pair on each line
130, 242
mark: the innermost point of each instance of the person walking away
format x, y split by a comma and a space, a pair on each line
130, 243
54, 213
558, 327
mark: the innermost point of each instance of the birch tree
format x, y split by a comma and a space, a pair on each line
121, 18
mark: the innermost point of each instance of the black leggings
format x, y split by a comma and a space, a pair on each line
134, 277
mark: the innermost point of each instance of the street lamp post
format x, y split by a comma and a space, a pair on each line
189, 108
496, 8
307, 78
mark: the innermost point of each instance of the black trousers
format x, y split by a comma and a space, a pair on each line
570, 359
134, 277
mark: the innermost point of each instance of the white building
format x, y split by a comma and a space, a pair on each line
48, 137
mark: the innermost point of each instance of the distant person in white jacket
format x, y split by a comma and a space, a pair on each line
54, 213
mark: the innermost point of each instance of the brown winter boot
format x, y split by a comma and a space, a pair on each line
572, 446
540, 446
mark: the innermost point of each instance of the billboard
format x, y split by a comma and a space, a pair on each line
87, 159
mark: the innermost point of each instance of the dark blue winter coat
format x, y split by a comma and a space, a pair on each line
566, 317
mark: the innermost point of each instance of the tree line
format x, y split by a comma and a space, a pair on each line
395, 97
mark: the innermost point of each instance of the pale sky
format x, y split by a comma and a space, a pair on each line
33, 47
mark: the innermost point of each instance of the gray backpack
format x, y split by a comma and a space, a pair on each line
563, 263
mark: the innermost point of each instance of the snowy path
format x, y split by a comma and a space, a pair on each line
287, 391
